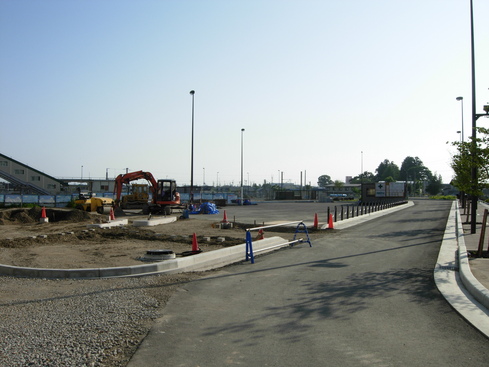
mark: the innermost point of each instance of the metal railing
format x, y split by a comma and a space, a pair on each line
301, 228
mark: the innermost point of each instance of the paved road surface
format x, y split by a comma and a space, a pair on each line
363, 296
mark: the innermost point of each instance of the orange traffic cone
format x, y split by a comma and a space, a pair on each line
195, 245
225, 218
316, 223
44, 218
330, 222
260, 236
112, 215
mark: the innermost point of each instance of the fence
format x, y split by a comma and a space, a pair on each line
63, 200
348, 211
57, 201
301, 228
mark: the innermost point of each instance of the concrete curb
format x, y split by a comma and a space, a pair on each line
153, 222
470, 282
200, 262
460, 288
112, 223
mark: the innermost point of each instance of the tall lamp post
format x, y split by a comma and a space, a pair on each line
475, 116
461, 99
191, 197
242, 131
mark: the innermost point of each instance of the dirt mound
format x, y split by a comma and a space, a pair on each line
16, 216
32, 215
70, 215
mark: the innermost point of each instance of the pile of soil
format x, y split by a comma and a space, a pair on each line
32, 215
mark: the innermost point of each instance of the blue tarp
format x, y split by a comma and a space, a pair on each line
205, 208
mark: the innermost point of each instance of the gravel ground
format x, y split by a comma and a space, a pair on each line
80, 322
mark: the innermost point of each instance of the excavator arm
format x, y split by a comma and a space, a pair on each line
133, 176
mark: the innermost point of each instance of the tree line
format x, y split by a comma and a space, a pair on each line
412, 170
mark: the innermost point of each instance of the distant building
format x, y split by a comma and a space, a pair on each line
344, 192
26, 179
384, 191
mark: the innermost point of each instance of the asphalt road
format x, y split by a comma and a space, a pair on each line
363, 296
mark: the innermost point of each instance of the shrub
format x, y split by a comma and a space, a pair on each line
444, 197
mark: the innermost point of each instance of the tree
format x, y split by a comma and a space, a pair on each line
472, 155
413, 169
434, 186
386, 169
338, 184
324, 180
365, 177
462, 166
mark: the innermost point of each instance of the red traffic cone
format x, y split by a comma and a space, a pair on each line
316, 223
195, 245
225, 218
44, 218
112, 215
330, 222
260, 236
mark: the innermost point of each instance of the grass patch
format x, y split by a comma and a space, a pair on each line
444, 197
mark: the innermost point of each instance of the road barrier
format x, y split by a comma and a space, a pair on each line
352, 211
301, 228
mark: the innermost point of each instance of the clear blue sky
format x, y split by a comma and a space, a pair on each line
105, 85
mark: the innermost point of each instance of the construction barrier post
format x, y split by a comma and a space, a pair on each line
249, 248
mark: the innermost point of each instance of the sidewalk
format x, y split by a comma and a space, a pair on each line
478, 266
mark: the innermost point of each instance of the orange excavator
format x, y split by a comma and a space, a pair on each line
164, 192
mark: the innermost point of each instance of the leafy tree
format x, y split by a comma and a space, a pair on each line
435, 184
365, 177
338, 184
413, 169
386, 169
324, 180
462, 166
464, 161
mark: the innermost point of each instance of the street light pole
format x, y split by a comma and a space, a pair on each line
462, 100
475, 116
242, 131
473, 209
191, 197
